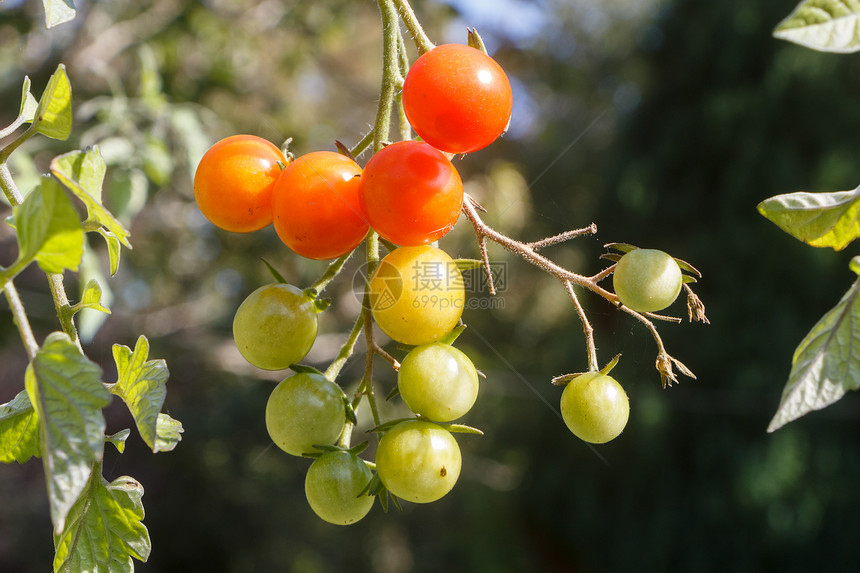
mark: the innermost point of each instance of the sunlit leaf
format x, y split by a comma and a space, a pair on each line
29, 105
53, 116
105, 530
826, 364
68, 396
819, 219
92, 298
824, 25
142, 385
19, 430
114, 249
58, 11
49, 229
119, 439
168, 433
83, 172
91, 317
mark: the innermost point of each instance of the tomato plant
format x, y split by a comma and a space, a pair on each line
315, 206
647, 280
410, 193
418, 461
303, 411
438, 381
457, 98
234, 181
595, 407
417, 294
275, 326
335, 487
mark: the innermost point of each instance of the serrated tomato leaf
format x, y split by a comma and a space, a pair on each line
53, 116
49, 229
105, 528
83, 172
826, 364
824, 25
142, 385
68, 396
19, 430
818, 219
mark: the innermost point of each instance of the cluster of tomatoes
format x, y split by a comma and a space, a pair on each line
322, 206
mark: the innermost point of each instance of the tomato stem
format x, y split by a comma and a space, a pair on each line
422, 41
19, 317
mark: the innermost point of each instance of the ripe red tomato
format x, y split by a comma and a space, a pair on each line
410, 193
316, 208
233, 182
457, 98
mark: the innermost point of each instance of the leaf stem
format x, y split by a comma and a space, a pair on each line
64, 309
391, 78
19, 317
10, 190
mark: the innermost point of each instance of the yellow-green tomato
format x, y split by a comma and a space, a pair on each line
334, 485
417, 294
595, 407
303, 411
647, 280
418, 461
438, 382
275, 326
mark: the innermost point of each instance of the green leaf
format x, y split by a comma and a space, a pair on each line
818, 219
824, 25
58, 12
168, 433
105, 530
68, 396
49, 229
19, 430
114, 249
29, 105
301, 368
826, 364
118, 439
83, 172
142, 385
91, 298
93, 310
53, 116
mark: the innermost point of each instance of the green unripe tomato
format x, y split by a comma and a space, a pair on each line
333, 484
418, 461
595, 407
305, 410
275, 326
647, 280
438, 382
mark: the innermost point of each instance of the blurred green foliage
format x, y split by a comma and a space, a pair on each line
663, 122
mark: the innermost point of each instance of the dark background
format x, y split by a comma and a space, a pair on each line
663, 122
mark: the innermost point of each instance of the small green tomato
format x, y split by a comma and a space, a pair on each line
647, 280
595, 407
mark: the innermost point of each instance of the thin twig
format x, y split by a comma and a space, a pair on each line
561, 237
586, 327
